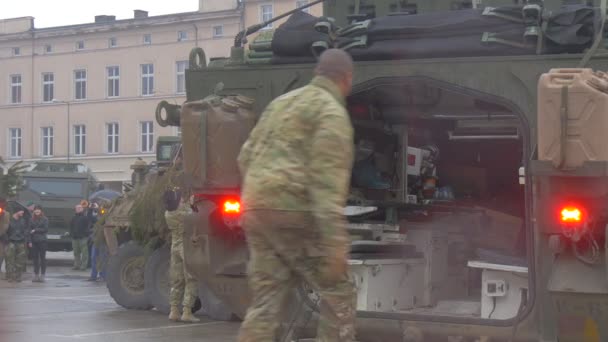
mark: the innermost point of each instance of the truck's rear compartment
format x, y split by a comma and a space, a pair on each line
436, 209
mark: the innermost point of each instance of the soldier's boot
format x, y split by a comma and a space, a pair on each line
36, 279
174, 314
188, 317
41, 279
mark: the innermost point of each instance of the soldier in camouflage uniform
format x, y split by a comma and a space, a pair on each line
183, 284
16, 253
296, 167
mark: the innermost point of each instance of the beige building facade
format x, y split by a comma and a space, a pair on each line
257, 11
88, 92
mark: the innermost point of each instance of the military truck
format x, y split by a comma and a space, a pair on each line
58, 187
137, 274
479, 191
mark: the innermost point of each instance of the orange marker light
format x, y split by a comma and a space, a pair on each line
232, 207
571, 215
1, 211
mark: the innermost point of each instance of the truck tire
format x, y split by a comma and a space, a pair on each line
125, 277
157, 283
213, 307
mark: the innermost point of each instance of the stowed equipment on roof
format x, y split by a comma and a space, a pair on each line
500, 31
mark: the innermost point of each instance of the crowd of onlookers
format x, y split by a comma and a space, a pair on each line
27, 235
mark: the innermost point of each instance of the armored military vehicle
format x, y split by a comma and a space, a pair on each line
137, 274
58, 187
479, 191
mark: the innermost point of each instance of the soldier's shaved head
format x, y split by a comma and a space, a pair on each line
337, 65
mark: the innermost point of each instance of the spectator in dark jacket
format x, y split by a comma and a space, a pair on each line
16, 254
39, 226
79, 232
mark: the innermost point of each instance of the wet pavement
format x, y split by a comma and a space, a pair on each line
69, 308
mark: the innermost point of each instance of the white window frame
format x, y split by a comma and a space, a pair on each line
78, 43
180, 77
51, 85
182, 36
81, 135
16, 51
112, 137
47, 140
300, 3
262, 19
15, 87
80, 84
113, 79
221, 31
148, 135
147, 39
112, 42
48, 48
147, 77
16, 139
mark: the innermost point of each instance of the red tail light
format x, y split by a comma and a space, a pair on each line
1, 211
571, 214
232, 207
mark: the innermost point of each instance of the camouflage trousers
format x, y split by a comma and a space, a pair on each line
16, 257
183, 284
287, 248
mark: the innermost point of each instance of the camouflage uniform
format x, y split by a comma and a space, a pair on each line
16, 253
183, 284
297, 164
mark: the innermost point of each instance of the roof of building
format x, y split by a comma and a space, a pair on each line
107, 23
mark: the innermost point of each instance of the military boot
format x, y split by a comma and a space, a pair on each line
41, 279
188, 317
36, 279
174, 314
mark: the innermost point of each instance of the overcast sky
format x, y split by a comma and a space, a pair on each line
48, 13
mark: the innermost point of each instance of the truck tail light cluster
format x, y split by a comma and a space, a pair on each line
571, 214
232, 207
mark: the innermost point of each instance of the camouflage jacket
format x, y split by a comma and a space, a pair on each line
175, 220
299, 155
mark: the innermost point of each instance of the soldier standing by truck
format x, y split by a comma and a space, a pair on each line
296, 166
16, 254
183, 284
79, 232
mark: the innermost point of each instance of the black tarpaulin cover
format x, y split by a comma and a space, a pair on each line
440, 34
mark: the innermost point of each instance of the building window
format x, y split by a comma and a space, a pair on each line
112, 42
113, 81
147, 136
16, 51
218, 31
147, 79
48, 86
48, 48
147, 39
80, 140
300, 3
181, 76
14, 142
182, 35
112, 137
80, 84
266, 14
15, 89
47, 141
80, 45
